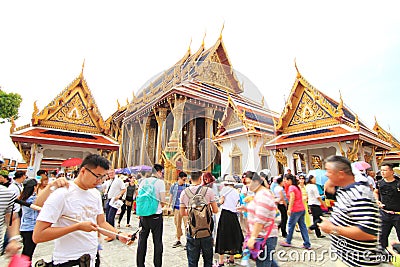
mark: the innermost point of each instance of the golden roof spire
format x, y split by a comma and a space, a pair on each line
190, 44
83, 67
297, 69
340, 106
220, 34
202, 44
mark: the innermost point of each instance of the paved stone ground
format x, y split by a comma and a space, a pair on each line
116, 254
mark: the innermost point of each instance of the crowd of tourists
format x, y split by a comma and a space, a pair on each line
236, 219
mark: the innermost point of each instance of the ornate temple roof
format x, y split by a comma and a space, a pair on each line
243, 116
394, 153
206, 70
71, 119
74, 109
311, 117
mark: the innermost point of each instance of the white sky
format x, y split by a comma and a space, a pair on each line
352, 46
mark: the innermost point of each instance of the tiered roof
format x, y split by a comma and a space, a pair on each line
311, 117
71, 119
206, 75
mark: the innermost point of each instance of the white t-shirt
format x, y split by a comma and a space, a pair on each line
371, 181
74, 202
117, 185
160, 188
277, 194
313, 194
231, 198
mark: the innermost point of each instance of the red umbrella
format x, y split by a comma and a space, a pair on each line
71, 162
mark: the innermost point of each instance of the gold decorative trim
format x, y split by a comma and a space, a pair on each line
281, 157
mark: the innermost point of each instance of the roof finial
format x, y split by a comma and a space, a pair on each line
297, 69
220, 34
202, 44
340, 106
83, 66
190, 44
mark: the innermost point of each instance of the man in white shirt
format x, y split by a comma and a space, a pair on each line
80, 201
115, 189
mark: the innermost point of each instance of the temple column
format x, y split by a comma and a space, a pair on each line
144, 125
121, 141
162, 115
38, 159
209, 116
250, 164
193, 142
130, 131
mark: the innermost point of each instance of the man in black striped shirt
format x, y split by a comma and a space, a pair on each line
354, 222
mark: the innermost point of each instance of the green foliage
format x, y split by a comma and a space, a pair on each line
9, 105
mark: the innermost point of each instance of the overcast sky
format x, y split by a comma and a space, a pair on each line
351, 46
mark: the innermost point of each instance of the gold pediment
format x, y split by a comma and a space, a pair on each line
213, 72
233, 121
73, 109
308, 111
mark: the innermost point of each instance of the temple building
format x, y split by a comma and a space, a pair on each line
70, 126
313, 126
393, 155
194, 116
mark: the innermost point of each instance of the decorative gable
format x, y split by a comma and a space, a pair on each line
308, 110
215, 68
73, 109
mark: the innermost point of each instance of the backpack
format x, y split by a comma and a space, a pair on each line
146, 200
200, 220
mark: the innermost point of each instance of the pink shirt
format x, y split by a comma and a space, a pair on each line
184, 199
262, 210
298, 199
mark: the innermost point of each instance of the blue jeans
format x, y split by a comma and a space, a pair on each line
298, 217
267, 260
193, 248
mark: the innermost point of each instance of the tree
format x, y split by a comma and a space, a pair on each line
9, 105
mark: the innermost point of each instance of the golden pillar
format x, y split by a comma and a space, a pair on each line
173, 151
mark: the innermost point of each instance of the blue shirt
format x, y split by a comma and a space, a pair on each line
29, 215
175, 192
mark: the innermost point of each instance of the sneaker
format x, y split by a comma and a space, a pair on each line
119, 225
128, 225
177, 244
321, 236
309, 248
285, 244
